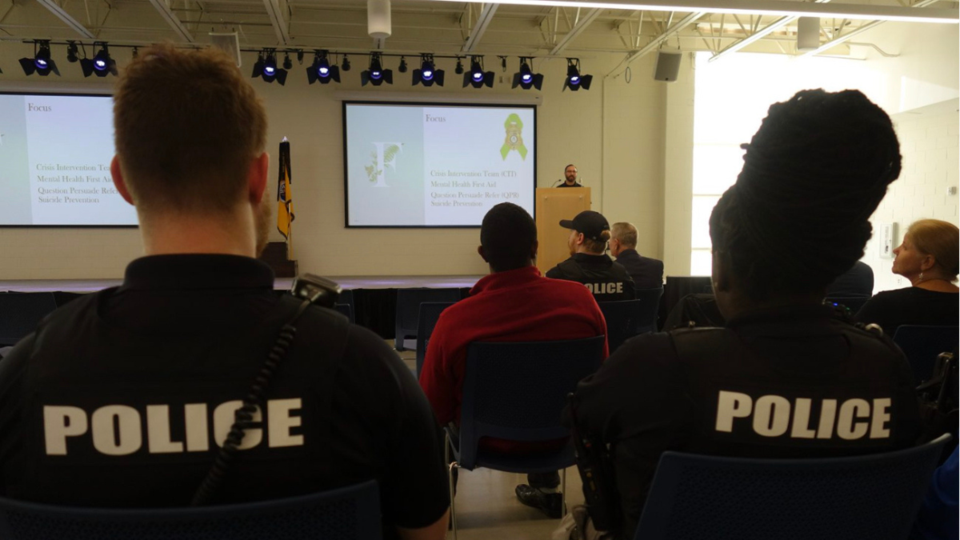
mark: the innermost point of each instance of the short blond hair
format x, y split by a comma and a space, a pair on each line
939, 239
187, 126
626, 233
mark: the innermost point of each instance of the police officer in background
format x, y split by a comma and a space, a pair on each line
588, 264
123, 398
786, 377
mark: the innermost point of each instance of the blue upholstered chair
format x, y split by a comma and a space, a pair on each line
873, 496
922, 344
517, 391
625, 319
429, 314
349, 513
649, 309
408, 309
20, 313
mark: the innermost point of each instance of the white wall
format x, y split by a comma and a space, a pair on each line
928, 144
613, 133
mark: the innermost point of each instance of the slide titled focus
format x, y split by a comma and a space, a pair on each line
55, 154
436, 166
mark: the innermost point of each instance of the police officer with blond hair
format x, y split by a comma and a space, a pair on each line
588, 264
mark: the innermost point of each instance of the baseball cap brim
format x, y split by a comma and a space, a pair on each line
567, 224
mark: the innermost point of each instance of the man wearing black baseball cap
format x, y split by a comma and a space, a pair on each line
588, 264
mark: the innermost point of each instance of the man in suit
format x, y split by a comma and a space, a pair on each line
647, 273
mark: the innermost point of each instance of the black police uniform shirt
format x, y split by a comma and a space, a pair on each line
607, 280
786, 383
121, 399
575, 184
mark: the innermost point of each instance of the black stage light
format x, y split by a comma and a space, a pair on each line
459, 68
526, 78
101, 65
375, 74
428, 74
300, 56
72, 52
321, 70
266, 68
477, 77
287, 63
136, 52
403, 65
575, 80
41, 63
346, 63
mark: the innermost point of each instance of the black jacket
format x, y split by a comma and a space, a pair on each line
647, 273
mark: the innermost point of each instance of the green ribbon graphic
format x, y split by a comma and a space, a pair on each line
513, 140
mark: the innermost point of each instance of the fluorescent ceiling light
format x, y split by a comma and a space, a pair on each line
779, 8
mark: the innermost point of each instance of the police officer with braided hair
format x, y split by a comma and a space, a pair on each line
786, 377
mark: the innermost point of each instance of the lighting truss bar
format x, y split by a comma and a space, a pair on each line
782, 8
863, 28
172, 20
757, 36
62, 14
277, 10
480, 26
577, 30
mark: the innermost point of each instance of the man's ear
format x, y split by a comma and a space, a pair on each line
257, 178
482, 255
118, 181
580, 238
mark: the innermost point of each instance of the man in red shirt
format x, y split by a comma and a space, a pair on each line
513, 303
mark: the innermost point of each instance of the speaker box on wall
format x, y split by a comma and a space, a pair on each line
229, 42
668, 66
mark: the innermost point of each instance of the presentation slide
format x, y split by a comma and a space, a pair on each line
55, 154
420, 165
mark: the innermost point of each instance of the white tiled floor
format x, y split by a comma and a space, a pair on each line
488, 509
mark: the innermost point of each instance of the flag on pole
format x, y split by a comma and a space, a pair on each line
284, 196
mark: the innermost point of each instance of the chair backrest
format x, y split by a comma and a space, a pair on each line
345, 309
922, 344
408, 308
873, 496
429, 314
624, 320
349, 513
516, 391
20, 313
853, 303
649, 310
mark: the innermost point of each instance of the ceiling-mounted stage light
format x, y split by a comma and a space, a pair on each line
300, 56
101, 65
266, 68
41, 63
403, 65
73, 54
375, 74
428, 74
346, 63
477, 77
459, 68
526, 78
575, 80
321, 70
287, 63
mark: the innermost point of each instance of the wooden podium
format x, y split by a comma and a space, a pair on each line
553, 205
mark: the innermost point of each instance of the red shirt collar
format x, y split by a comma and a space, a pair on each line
507, 279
